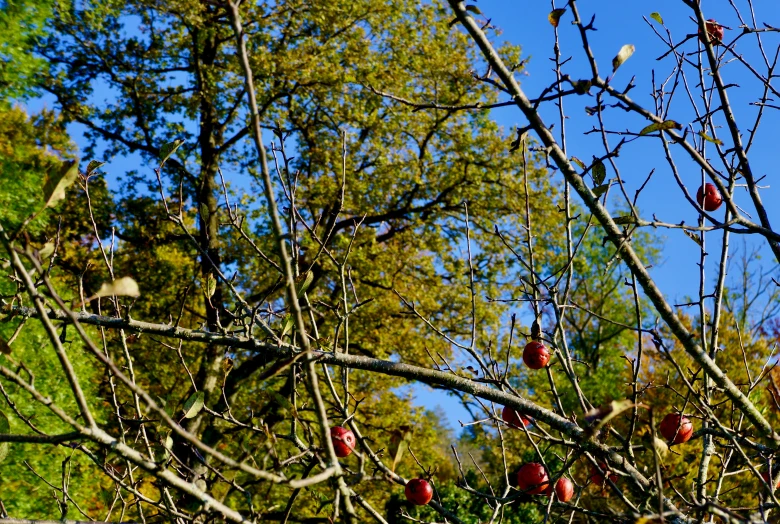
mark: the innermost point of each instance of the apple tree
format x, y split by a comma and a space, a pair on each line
322, 212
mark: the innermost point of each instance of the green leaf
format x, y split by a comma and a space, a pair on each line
708, 138
657, 18
55, 184
168, 149
578, 162
600, 190
194, 404
287, 324
5, 427
555, 16
660, 126
167, 447
582, 87
93, 166
210, 285
308, 278
46, 251
599, 172
624, 54
474, 9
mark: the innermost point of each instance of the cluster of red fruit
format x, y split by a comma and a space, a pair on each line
532, 479
417, 491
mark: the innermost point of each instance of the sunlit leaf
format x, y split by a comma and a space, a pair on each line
474, 9
167, 447
306, 280
578, 162
693, 236
708, 138
660, 447
600, 190
121, 287
46, 251
521, 134
555, 16
287, 324
194, 404
625, 53
657, 18
210, 285
168, 149
56, 183
399, 442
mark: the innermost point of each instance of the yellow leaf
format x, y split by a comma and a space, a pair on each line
555, 16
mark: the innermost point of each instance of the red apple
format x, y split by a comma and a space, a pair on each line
343, 441
564, 489
714, 30
765, 476
709, 197
669, 428
536, 355
532, 479
596, 477
418, 491
513, 418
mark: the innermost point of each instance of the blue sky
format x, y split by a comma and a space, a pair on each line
619, 23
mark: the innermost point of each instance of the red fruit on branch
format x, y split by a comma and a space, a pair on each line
714, 30
709, 197
532, 479
418, 491
669, 428
564, 489
536, 355
343, 441
513, 418
596, 477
